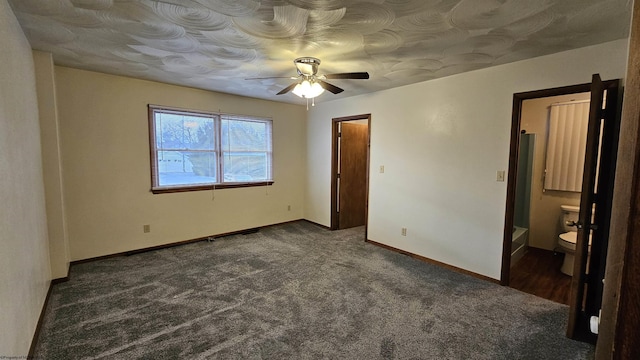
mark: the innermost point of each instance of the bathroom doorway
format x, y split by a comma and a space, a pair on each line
584, 292
536, 257
350, 171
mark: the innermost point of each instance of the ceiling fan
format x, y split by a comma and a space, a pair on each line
309, 84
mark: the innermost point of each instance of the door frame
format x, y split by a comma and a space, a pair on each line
334, 168
514, 148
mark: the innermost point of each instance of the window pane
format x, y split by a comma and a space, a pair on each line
176, 131
240, 135
246, 166
185, 168
192, 147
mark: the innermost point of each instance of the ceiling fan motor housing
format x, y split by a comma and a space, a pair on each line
307, 66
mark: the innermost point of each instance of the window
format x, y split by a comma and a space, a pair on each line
193, 150
566, 144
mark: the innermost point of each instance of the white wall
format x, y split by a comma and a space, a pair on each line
24, 254
104, 138
441, 143
52, 164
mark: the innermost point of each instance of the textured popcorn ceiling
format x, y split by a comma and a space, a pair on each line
216, 44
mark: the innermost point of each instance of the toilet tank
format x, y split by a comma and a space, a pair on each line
569, 213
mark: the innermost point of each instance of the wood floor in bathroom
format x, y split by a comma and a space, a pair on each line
538, 273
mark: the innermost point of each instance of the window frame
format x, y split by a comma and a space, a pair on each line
156, 188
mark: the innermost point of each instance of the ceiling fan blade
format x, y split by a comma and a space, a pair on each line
287, 89
331, 88
350, 75
272, 77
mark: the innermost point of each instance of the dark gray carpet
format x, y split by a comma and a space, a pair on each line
294, 291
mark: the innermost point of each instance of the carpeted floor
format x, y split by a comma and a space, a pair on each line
294, 291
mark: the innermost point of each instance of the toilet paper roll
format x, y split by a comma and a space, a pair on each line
595, 321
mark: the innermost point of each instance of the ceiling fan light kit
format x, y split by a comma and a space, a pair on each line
308, 89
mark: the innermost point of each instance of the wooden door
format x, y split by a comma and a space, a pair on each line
620, 320
599, 168
352, 174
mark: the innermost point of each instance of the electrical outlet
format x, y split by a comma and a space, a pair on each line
403, 232
146, 228
288, 207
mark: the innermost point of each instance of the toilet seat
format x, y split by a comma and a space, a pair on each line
569, 239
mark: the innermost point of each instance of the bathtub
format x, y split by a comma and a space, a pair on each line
519, 243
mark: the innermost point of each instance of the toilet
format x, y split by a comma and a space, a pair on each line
567, 240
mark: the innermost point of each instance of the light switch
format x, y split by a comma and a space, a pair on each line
381, 169
500, 176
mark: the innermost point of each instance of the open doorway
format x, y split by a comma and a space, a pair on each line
541, 261
595, 183
350, 171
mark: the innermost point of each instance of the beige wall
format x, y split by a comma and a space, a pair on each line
545, 224
441, 143
52, 164
24, 253
106, 168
